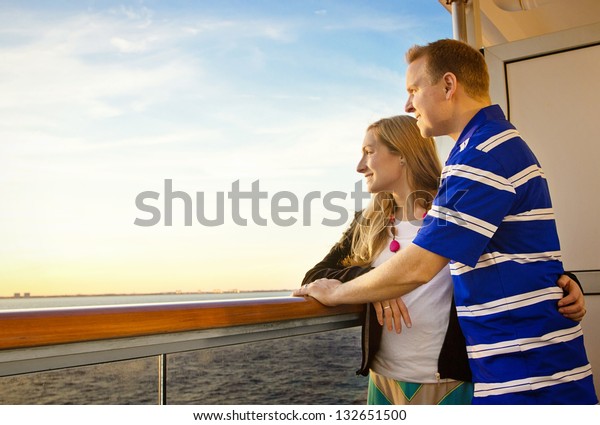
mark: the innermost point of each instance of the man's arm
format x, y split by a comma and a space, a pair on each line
406, 270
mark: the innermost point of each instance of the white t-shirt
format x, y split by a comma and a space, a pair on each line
412, 356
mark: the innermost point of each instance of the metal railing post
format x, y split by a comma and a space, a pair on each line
459, 19
162, 379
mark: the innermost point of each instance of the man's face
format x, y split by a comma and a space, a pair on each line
426, 101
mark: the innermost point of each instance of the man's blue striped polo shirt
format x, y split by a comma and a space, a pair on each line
493, 218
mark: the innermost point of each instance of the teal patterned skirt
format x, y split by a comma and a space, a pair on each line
387, 391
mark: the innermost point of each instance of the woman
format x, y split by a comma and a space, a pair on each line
425, 363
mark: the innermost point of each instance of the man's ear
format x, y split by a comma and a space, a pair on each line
450, 84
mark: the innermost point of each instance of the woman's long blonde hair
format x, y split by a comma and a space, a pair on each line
402, 137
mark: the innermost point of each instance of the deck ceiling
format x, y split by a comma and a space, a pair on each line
500, 26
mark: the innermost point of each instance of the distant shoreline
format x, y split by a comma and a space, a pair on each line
137, 294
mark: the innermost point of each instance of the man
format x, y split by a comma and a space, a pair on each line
493, 218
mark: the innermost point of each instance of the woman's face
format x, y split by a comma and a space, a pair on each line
382, 169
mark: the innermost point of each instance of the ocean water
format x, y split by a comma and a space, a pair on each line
311, 369
101, 300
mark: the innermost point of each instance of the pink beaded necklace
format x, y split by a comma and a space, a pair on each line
394, 244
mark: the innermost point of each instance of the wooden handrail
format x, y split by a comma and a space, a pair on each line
36, 328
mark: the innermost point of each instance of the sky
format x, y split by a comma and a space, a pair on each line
111, 110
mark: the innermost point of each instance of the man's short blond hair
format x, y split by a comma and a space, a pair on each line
466, 63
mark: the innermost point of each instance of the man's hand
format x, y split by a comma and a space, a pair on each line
323, 290
571, 305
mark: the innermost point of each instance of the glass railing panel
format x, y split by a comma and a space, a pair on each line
124, 382
310, 369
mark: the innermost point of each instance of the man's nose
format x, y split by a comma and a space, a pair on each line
409, 106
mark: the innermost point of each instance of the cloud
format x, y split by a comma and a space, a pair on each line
226, 30
141, 14
376, 25
126, 46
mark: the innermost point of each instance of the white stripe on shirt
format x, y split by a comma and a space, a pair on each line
510, 303
532, 215
527, 174
478, 175
493, 258
497, 139
532, 383
523, 344
464, 220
